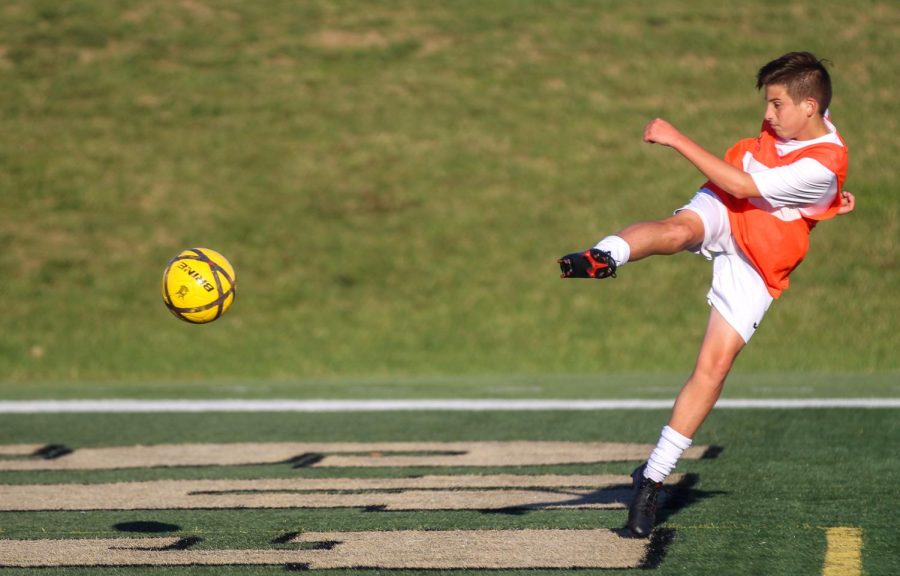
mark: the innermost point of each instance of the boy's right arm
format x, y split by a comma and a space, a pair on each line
732, 180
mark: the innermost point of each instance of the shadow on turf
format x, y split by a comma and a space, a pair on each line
672, 500
52, 451
146, 527
683, 495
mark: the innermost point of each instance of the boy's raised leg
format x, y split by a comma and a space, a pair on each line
659, 237
670, 235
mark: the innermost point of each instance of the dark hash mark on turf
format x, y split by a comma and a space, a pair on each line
320, 545
712, 452
182, 544
285, 538
146, 526
511, 511
288, 537
52, 451
419, 453
305, 460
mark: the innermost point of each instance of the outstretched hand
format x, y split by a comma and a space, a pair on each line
848, 203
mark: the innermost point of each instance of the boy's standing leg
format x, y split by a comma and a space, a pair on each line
721, 345
686, 230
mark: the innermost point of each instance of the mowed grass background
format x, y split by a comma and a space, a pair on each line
394, 181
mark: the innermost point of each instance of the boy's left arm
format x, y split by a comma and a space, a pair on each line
732, 180
848, 203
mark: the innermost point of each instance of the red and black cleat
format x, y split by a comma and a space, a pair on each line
591, 263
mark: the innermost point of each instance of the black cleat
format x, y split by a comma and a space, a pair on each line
642, 512
591, 263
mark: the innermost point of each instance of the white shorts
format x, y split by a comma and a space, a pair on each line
738, 292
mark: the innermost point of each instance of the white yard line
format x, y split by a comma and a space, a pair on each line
122, 406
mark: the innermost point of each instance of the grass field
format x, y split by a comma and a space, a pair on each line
393, 182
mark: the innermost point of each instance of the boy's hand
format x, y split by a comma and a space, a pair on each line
658, 131
848, 203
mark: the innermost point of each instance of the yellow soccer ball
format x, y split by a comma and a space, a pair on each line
198, 285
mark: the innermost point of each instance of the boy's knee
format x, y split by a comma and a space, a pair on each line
684, 233
712, 374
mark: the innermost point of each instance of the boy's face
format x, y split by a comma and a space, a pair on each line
789, 119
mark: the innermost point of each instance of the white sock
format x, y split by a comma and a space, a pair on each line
666, 454
617, 247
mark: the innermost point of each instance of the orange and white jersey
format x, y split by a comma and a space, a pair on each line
800, 183
804, 188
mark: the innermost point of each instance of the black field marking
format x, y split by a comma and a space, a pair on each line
45, 452
393, 550
304, 460
344, 455
712, 452
414, 453
285, 538
53, 451
316, 545
185, 543
513, 494
504, 493
146, 527
311, 459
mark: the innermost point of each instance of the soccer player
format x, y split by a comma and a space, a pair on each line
752, 218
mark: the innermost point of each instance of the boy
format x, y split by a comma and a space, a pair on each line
752, 218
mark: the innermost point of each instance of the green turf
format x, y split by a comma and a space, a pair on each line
394, 183
761, 507
553, 386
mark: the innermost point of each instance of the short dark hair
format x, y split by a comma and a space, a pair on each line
803, 76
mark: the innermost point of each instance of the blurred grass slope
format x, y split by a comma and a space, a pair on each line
393, 182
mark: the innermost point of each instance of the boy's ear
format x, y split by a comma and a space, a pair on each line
810, 106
